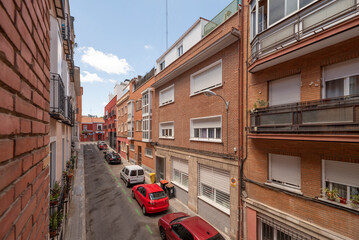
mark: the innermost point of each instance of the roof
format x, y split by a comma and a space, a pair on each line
199, 227
87, 119
134, 167
152, 187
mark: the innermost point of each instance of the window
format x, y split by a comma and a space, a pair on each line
132, 147
285, 90
207, 78
147, 115
133, 173
180, 172
125, 109
166, 130
270, 229
180, 50
84, 127
121, 112
138, 105
147, 102
138, 125
167, 95
214, 187
206, 129
149, 152
121, 127
341, 79
342, 177
162, 65
284, 170
125, 124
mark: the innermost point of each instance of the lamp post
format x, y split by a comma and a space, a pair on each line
210, 93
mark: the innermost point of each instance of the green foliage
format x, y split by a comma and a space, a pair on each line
331, 194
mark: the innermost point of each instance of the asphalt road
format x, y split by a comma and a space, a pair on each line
111, 213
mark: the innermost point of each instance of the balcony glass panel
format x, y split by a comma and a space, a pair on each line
354, 85
334, 88
276, 119
334, 115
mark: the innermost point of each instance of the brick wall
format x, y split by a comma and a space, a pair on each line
24, 104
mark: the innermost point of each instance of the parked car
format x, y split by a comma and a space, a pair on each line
102, 146
133, 174
182, 226
113, 157
151, 198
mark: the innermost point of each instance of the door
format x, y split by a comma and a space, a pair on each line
128, 153
139, 155
160, 169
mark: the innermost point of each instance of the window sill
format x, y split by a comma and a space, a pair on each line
203, 90
180, 186
206, 140
162, 105
148, 156
289, 189
216, 205
171, 138
347, 205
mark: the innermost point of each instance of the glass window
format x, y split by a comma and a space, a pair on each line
140, 172
210, 132
180, 50
291, 6
303, 3
196, 132
203, 133
157, 195
133, 173
354, 85
207, 191
218, 133
267, 232
334, 88
276, 10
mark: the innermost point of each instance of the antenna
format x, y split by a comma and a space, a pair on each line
166, 24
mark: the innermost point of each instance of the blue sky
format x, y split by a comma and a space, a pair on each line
117, 39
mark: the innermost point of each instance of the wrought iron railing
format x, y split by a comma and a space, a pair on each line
221, 17
139, 82
57, 96
334, 115
308, 22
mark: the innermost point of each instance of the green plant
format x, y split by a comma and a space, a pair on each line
55, 221
331, 194
55, 191
355, 200
260, 104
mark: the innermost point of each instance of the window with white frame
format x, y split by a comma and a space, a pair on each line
138, 125
285, 90
341, 177
132, 147
207, 78
147, 115
214, 187
146, 128
180, 172
149, 152
180, 50
125, 127
130, 109
147, 101
284, 170
166, 130
206, 129
84, 127
162, 65
121, 127
341, 79
167, 95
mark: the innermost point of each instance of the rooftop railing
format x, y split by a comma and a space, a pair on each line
221, 17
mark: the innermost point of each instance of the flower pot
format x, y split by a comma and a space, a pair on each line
342, 200
53, 202
53, 233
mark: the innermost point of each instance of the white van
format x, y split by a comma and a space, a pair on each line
133, 174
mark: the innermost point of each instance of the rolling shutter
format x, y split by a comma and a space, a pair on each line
342, 172
180, 165
207, 78
214, 177
341, 70
285, 169
167, 95
285, 90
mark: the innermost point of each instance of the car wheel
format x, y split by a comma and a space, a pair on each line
144, 210
133, 194
162, 233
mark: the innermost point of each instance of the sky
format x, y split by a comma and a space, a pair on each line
118, 40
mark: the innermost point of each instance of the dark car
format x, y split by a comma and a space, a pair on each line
182, 226
113, 157
102, 146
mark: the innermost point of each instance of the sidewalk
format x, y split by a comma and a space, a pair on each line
76, 224
175, 205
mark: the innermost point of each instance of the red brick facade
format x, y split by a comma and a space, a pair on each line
110, 123
24, 104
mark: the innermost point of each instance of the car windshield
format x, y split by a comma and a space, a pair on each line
157, 195
217, 237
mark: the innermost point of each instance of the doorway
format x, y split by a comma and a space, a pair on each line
160, 169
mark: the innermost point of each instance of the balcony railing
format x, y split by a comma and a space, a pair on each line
57, 97
140, 81
69, 112
221, 17
318, 17
66, 35
335, 115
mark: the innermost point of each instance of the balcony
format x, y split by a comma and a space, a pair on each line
66, 35
142, 80
57, 97
327, 116
60, 8
305, 27
69, 119
221, 17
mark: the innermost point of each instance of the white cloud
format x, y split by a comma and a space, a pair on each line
106, 62
148, 46
90, 77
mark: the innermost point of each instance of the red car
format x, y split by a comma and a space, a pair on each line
151, 198
102, 146
182, 226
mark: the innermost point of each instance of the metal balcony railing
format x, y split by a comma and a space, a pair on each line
66, 35
57, 97
69, 115
140, 81
312, 20
221, 17
334, 115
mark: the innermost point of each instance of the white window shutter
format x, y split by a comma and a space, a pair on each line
285, 90
180, 165
342, 172
285, 169
211, 122
208, 78
341, 70
215, 178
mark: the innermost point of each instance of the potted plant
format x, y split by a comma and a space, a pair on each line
343, 200
355, 200
55, 219
55, 194
331, 195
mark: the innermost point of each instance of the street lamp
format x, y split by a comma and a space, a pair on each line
210, 93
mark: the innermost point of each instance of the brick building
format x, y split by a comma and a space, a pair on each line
92, 129
303, 88
196, 134
110, 122
25, 97
122, 141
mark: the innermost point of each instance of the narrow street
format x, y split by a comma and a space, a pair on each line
111, 213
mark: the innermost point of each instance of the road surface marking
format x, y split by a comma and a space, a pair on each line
129, 199
123, 190
139, 214
148, 228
